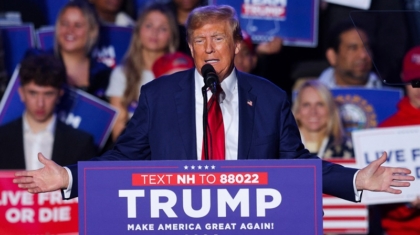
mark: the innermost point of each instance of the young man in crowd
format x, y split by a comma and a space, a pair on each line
38, 130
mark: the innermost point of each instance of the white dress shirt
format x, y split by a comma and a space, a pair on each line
230, 111
40, 142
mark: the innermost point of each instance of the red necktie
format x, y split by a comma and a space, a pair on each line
215, 129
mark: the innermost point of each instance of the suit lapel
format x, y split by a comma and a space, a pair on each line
20, 158
246, 103
59, 139
185, 109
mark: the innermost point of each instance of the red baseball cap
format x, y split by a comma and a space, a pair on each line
411, 65
248, 41
171, 63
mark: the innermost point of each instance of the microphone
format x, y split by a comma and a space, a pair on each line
210, 77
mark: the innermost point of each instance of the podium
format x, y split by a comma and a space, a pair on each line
200, 197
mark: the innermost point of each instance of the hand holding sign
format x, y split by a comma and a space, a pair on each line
49, 178
377, 178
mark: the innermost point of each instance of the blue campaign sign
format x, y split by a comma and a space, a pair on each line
296, 22
76, 108
362, 108
52, 8
113, 44
45, 38
16, 40
200, 197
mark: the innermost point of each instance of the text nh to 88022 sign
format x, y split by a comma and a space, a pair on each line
200, 197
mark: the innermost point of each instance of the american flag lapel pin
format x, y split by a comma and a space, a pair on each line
249, 102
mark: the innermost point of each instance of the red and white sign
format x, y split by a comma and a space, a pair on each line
341, 216
24, 213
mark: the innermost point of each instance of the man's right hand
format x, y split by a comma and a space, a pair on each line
49, 178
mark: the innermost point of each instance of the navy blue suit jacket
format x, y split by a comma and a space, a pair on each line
163, 128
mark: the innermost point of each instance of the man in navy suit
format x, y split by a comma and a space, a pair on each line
258, 123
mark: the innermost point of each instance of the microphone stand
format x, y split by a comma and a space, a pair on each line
205, 120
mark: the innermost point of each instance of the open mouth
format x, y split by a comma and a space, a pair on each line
211, 61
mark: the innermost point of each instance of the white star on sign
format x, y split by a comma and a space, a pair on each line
199, 167
193, 167
186, 167
213, 167
206, 167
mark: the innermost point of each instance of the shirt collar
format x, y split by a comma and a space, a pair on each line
229, 84
50, 127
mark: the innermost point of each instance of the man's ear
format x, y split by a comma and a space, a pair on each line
254, 60
237, 47
331, 56
20, 91
191, 49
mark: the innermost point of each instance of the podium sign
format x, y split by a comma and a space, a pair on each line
200, 197
24, 213
402, 147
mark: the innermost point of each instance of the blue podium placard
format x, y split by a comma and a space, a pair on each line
76, 108
296, 22
200, 197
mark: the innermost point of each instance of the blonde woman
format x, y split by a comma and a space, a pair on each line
76, 33
319, 122
155, 34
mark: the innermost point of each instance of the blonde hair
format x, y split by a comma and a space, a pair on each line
334, 126
133, 62
211, 14
92, 21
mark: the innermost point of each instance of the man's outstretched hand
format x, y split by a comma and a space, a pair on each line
49, 178
377, 178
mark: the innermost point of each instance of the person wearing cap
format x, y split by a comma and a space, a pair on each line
171, 63
404, 218
246, 59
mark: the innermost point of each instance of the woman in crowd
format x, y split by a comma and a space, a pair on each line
76, 34
319, 122
155, 34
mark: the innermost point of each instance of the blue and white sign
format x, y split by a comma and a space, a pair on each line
296, 22
362, 108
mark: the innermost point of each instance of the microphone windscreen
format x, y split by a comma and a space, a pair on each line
206, 69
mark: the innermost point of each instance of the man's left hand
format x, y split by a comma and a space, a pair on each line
377, 178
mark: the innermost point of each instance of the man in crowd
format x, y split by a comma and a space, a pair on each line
349, 55
38, 130
253, 115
